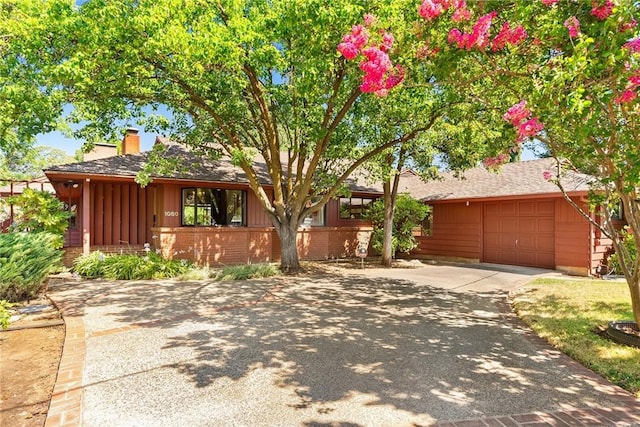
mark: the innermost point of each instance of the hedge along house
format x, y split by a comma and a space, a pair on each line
512, 217
205, 213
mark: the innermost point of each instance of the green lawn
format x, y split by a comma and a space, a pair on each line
567, 313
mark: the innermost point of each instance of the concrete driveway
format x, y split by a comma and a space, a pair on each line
372, 347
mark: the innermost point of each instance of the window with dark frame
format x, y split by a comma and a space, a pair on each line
617, 213
206, 207
427, 225
354, 207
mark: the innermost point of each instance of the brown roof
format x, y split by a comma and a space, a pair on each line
513, 179
196, 168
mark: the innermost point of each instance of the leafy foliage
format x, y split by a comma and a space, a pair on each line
408, 214
245, 272
25, 260
5, 314
628, 241
128, 266
40, 211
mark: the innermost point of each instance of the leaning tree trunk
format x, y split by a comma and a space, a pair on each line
289, 261
387, 231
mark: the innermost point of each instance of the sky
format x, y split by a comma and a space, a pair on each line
58, 140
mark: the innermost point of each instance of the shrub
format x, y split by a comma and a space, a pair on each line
25, 260
248, 271
628, 242
90, 266
128, 267
40, 211
408, 215
5, 315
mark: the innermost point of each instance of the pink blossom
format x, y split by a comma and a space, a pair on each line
628, 25
604, 11
549, 2
573, 25
635, 80
547, 175
348, 50
493, 162
509, 36
395, 78
627, 96
387, 42
369, 19
359, 36
517, 113
461, 12
633, 45
430, 9
478, 36
529, 128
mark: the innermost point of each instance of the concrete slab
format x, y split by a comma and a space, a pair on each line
356, 348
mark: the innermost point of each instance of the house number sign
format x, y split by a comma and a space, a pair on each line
171, 213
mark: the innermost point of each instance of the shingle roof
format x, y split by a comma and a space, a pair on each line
196, 168
513, 179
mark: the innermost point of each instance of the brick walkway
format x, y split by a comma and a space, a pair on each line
65, 408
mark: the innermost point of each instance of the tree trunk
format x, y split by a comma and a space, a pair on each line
289, 261
634, 289
387, 233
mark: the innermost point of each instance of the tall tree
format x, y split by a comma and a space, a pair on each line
566, 73
271, 79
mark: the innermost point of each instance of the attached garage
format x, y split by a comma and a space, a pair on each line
511, 217
519, 233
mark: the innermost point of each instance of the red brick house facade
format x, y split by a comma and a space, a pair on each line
206, 213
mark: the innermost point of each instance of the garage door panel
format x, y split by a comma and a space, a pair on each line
545, 225
520, 233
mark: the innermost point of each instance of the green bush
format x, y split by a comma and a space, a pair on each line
408, 214
629, 243
128, 266
248, 271
25, 261
40, 211
5, 315
90, 266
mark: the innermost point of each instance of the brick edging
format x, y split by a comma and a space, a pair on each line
65, 408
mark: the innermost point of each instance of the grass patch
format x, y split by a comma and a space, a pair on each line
567, 313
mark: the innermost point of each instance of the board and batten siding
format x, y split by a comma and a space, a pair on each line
121, 214
457, 232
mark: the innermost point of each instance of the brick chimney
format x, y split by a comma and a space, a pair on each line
131, 142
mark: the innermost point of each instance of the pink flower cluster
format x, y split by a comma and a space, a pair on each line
352, 43
631, 91
520, 117
549, 2
507, 35
431, 9
380, 74
479, 35
547, 175
573, 25
633, 45
494, 162
603, 11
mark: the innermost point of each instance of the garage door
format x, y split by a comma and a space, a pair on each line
519, 233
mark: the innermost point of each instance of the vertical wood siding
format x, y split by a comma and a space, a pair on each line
572, 238
457, 232
120, 214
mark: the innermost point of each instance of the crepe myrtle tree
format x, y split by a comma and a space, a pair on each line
246, 79
564, 72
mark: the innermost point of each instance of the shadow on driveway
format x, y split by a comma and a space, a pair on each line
343, 350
